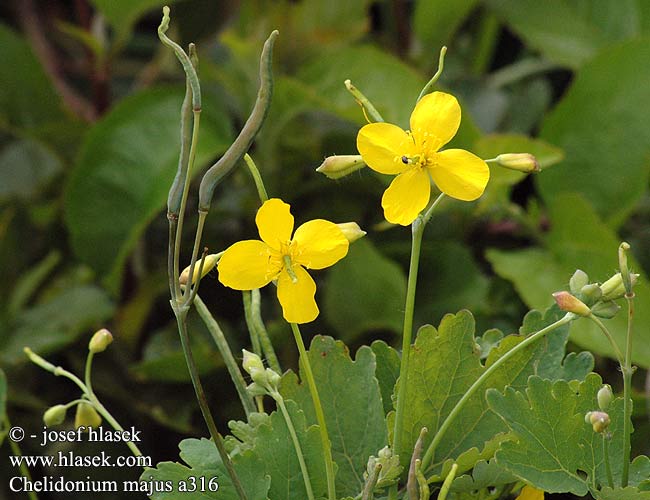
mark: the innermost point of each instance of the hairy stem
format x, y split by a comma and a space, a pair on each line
228, 358
318, 408
442, 430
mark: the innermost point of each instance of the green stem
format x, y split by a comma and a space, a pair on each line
606, 332
369, 110
181, 318
320, 416
24, 470
441, 66
296, 444
88, 370
628, 370
254, 320
608, 467
371, 482
257, 177
442, 430
228, 358
417, 231
485, 43
86, 389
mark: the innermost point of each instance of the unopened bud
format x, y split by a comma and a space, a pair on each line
255, 389
208, 265
569, 303
614, 287
523, 162
251, 362
351, 231
578, 280
599, 420
273, 378
86, 416
54, 415
100, 341
604, 397
606, 310
591, 293
622, 265
339, 166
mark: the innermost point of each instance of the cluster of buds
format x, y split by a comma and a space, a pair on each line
265, 380
388, 465
86, 415
586, 298
599, 419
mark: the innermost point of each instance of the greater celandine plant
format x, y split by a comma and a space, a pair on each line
452, 415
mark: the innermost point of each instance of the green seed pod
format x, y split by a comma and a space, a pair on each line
54, 415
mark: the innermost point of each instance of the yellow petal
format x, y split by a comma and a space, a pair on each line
406, 196
382, 146
530, 493
297, 299
274, 222
247, 265
319, 243
435, 119
460, 174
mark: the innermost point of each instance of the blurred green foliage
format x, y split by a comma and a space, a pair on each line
89, 107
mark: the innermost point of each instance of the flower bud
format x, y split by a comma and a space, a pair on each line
339, 166
591, 293
351, 231
86, 416
273, 378
54, 415
578, 280
208, 265
599, 420
606, 310
523, 162
604, 397
100, 341
569, 303
251, 362
614, 288
255, 389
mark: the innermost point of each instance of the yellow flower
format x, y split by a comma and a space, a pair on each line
530, 493
415, 157
251, 264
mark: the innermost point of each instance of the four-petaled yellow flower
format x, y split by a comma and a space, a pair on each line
415, 157
251, 264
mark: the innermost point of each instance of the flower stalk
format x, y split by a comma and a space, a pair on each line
442, 430
318, 408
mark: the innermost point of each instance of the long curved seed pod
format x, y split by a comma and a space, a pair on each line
245, 138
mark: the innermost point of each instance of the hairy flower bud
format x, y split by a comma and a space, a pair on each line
54, 415
523, 162
569, 303
339, 166
86, 416
208, 265
351, 231
599, 420
604, 397
606, 310
100, 341
251, 361
591, 293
